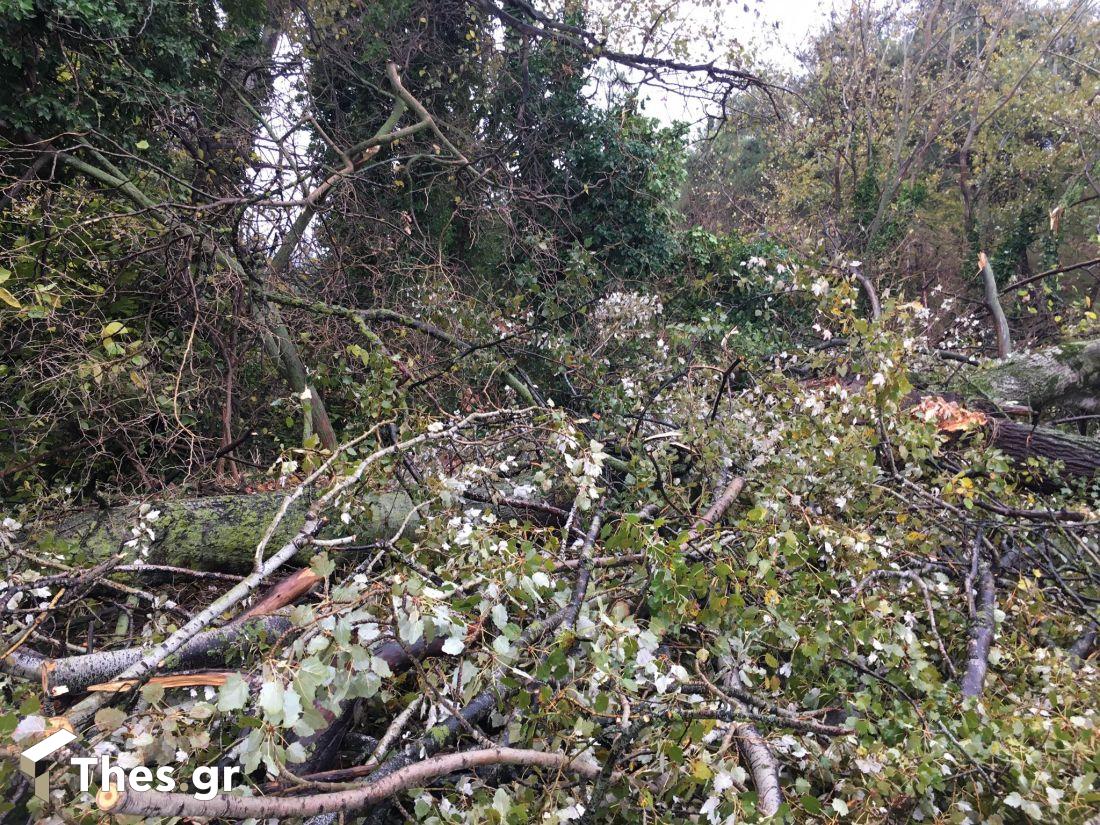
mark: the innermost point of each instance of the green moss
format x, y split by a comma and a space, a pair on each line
216, 532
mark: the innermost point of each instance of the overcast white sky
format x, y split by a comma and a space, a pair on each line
777, 28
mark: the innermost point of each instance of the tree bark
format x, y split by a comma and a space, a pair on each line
981, 635
763, 767
993, 301
1066, 375
1078, 454
74, 674
221, 532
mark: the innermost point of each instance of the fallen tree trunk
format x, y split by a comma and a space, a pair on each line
1078, 455
1066, 375
221, 532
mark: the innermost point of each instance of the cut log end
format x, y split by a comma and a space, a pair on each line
108, 798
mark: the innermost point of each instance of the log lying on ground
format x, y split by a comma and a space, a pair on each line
221, 532
74, 674
79, 673
1079, 455
1065, 375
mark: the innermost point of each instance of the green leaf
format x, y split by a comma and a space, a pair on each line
296, 752
108, 719
271, 699
322, 565
113, 328
142, 145
152, 693
292, 707
9, 299
233, 694
201, 711
380, 666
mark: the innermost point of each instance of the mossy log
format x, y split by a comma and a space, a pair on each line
220, 532
1066, 375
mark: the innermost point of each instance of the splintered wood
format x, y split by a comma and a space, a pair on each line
949, 416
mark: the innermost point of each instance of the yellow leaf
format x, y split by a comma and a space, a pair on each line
701, 770
9, 299
771, 598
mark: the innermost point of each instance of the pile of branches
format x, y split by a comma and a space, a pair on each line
551, 618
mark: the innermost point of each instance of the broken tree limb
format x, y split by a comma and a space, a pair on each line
286, 592
762, 766
993, 302
154, 803
202, 678
754, 749
718, 508
151, 660
75, 674
981, 634
871, 293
